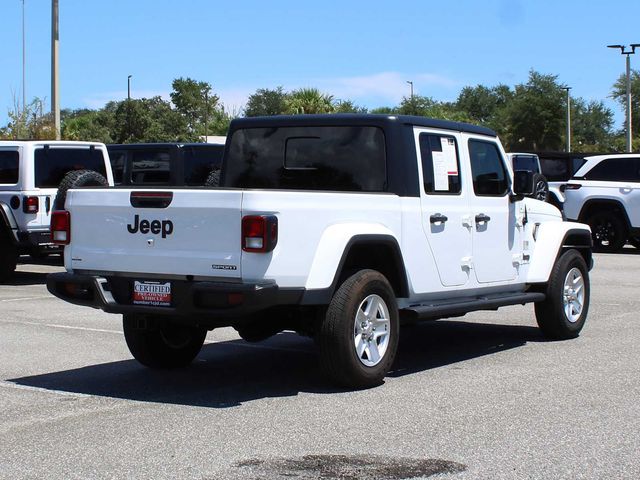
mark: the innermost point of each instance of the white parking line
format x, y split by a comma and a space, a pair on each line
25, 298
119, 332
69, 327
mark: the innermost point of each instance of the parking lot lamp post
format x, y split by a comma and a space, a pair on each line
129, 87
568, 118
628, 53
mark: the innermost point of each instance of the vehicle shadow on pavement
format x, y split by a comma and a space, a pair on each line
228, 374
26, 278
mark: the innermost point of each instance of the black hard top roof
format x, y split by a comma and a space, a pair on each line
388, 121
143, 146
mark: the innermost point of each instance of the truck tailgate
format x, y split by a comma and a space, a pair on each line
172, 233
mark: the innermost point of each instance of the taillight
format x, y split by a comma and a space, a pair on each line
31, 205
259, 233
61, 227
570, 186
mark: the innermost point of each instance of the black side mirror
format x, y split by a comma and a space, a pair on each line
523, 182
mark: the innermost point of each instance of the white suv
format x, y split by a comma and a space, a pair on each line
605, 193
34, 176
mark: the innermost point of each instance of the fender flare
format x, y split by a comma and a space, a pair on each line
575, 236
332, 257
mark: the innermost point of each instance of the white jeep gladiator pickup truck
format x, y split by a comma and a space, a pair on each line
340, 227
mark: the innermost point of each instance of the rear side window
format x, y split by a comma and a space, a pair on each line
199, 162
616, 170
560, 169
9, 166
150, 167
52, 164
440, 164
337, 158
118, 160
487, 167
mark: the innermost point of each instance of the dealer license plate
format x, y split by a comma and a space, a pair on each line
157, 294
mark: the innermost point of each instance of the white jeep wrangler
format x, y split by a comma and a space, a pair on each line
340, 227
32, 175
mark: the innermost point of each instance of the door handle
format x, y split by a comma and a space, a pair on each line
482, 218
438, 218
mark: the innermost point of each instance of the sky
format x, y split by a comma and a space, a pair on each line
359, 50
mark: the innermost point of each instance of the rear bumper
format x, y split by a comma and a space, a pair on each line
37, 240
194, 299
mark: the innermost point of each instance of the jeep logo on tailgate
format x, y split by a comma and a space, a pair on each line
154, 226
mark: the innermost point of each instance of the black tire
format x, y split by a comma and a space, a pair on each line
8, 256
608, 232
213, 180
74, 179
338, 356
540, 187
162, 344
550, 314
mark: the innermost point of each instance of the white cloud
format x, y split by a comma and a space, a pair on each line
386, 86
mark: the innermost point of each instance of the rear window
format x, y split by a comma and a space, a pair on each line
337, 158
525, 162
8, 166
150, 167
52, 164
199, 162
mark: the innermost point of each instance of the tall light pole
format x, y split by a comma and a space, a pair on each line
411, 85
628, 53
24, 64
55, 83
568, 118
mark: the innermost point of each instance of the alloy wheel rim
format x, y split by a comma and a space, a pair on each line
372, 329
573, 295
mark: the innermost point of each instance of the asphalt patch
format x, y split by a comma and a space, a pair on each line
341, 467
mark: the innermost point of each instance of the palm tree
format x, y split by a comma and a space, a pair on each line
309, 100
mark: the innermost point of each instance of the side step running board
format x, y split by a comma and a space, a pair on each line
460, 307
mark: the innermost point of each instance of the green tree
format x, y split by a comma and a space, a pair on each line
591, 126
88, 125
535, 114
195, 101
30, 122
149, 120
308, 101
619, 94
347, 106
266, 102
428, 107
486, 106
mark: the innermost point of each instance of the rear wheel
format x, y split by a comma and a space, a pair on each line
564, 311
635, 241
358, 338
8, 256
162, 344
608, 232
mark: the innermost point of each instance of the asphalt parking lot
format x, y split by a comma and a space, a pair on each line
483, 396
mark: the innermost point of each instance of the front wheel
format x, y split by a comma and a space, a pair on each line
563, 313
358, 338
157, 343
